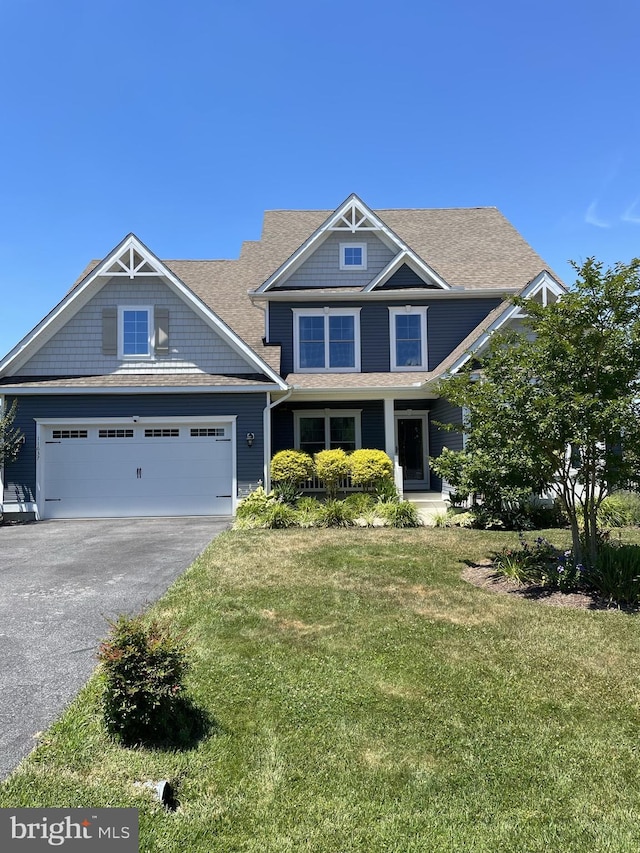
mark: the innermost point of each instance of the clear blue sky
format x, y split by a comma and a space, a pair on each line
183, 121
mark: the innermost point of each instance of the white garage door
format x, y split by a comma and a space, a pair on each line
116, 470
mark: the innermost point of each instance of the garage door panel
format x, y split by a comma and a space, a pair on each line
144, 474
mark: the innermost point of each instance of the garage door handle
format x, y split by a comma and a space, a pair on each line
139, 473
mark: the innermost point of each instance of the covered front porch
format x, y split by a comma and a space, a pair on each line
406, 428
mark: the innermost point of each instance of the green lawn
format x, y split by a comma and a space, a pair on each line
367, 699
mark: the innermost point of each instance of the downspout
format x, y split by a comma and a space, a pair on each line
266, 415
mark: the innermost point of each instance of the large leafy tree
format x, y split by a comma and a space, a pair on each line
556, 406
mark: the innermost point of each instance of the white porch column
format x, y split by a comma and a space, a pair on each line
389, 429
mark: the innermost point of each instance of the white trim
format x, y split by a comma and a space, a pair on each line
311, 294
326, 313
422, 415
126, 421
415, 391
91, 284
42, 423
410, 310
150, 332
327, 414
389, 428
542, 280
407, 256
346, 266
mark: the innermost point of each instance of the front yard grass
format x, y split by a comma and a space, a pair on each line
367, 699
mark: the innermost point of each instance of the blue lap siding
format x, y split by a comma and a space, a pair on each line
449, 321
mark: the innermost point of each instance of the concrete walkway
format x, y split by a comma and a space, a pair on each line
60, 582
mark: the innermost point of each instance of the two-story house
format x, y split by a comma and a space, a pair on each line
164, 387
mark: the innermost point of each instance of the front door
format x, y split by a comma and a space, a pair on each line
413, 453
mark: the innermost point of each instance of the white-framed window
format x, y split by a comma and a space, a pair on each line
326, 339
135, 331
327, 429
353, 256
408, 337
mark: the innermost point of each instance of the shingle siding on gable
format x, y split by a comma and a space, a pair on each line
448, 323
20, 477
76, 350
322, 269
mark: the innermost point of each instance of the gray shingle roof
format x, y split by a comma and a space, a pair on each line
471, 248
128, 380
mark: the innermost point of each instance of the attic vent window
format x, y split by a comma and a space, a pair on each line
353, 256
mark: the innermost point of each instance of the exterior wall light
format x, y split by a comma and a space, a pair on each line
250, 438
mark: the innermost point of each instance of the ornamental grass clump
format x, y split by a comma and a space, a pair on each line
529, 563
400, 514
616, 574
143, 667
334, 513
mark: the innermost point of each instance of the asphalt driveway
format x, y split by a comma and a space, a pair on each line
59, 583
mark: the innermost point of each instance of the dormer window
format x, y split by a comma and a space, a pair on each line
353, 256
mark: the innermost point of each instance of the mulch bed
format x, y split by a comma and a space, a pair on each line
483, 575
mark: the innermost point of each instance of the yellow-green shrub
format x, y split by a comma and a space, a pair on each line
331, 467
369, 467
291, 466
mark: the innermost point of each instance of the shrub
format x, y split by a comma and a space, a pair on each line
291, 466
331, 467
143, 668
616, 574
370, 467
334, 513
400, 514
621, 509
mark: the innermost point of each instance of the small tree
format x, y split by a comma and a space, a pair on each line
331, 467
558, 408
11, 438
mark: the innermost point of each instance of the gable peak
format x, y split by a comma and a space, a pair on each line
132, 259
353, 216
